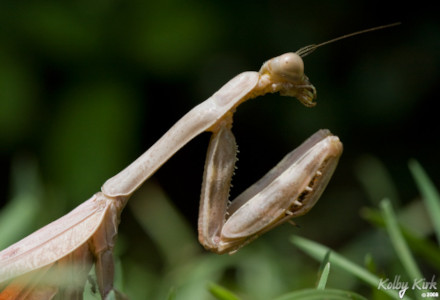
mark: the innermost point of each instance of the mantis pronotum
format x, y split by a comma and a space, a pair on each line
88, 234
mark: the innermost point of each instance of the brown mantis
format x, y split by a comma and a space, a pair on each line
87, 235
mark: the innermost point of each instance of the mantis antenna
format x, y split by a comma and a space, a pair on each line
304, 51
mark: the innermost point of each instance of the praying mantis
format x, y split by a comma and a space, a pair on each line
87, 234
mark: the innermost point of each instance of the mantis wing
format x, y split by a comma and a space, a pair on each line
65, 235
63, 279
54, 241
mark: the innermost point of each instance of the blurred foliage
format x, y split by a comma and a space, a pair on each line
403, 241
86, 86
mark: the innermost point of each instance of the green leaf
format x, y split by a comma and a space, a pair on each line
399, 243
423, 247
176, 241
172, 294
221, 293
318, 252
111, 296
376, 180
324, 262
430, 194
324, 275
328, 294
18, 217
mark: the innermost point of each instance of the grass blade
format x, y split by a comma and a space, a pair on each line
221, 293
318, 252
424, 248
399, 243
328, 294
323, 279
429, 193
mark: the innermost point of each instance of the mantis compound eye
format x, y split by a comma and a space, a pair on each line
288, 66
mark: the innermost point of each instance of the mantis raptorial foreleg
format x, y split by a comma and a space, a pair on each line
88, 233
289, 190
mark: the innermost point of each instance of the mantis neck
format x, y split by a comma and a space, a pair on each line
201, 118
